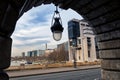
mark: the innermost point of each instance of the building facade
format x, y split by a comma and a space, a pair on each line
32, 53
35, 53
64, 45
81, 41
63, 50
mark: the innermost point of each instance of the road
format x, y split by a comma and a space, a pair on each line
91, 74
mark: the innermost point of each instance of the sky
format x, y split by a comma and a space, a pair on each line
33, 29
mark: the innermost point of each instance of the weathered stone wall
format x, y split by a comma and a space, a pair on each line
104, 16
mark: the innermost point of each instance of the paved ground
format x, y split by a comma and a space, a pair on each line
47, 71
90, 74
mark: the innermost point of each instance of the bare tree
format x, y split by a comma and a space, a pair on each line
62, 53
52, 56
59, 55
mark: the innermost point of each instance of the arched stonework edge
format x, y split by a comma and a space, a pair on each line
104, 18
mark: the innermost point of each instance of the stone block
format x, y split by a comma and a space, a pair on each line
114, 53
108, 36
107, 27
113, 44
102, 10
111, 64
110, 75
109, 17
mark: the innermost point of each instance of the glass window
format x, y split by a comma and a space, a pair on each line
79, 41
82, 24
88, 39
73, 29
87, 25
88, 53
70, 43
79, 57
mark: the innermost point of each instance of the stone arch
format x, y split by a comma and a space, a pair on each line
104, 18
103, 15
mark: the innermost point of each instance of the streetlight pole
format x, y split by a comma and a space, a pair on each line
74, 57
74, 44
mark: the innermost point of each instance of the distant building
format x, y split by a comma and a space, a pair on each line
65, 45
32, 53
81, 36
23, 54
48, 51
41, 52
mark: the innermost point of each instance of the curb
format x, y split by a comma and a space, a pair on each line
52, 72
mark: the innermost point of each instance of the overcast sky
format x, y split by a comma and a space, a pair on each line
33, 29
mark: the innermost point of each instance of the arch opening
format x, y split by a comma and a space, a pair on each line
36, 24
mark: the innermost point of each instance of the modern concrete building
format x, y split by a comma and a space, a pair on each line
41, 52
81, 41
64, 45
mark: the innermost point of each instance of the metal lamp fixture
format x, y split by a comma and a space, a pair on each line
56, 26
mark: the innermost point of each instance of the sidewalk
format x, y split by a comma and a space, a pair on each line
23, 73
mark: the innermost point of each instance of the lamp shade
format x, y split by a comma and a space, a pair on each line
57, 29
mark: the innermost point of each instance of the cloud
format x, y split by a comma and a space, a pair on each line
33, 28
